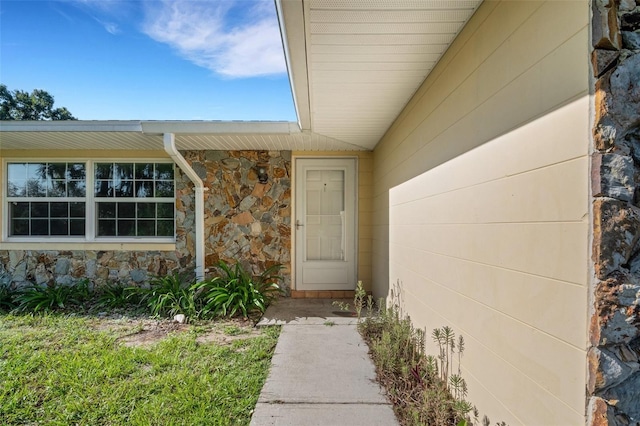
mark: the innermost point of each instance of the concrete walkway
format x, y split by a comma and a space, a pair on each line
321, 373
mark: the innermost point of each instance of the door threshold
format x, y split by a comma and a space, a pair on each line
323, 294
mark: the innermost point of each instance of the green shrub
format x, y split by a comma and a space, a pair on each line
52, 297
115, 295
168, 296
237, 292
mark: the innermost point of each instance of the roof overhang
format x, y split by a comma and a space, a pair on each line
147, 135
354, 64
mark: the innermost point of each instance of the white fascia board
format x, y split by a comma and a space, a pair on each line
155, 127
294, 39
70, 126
220, 127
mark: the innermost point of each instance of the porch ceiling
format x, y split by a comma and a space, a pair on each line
147, 135
354, 64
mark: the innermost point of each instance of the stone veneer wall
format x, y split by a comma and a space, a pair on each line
20, 268
244, 220
614, 355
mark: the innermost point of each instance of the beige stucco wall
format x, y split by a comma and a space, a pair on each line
364, 206
492, 235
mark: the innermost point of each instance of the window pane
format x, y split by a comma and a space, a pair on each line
144, 189
123, 188
19, 210
165, 228
59, 227
164, 189
57, 170
146, 210
37, 171
17, 171
126, 228
39, 209
164, 171
76, 188
76, 210
76, 171
17, 179
76, 227
17, 188
127, 210
106, 210
123, 171
39, 227
36, 188
146, 228
104, 171
104, 188
57, 188
144, 171
36, 180
106, 228
165, 210
19, 227
60, 210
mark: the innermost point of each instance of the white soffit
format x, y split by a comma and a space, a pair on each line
147, 135
365, 59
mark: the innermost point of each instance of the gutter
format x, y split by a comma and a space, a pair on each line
170, 148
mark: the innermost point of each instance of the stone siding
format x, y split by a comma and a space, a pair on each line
20, 268
245, 221
614, 354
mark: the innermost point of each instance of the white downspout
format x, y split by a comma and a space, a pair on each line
170, 148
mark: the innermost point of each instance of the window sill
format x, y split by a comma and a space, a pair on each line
85, 245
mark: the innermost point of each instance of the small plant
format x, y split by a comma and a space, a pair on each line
445, 338
235, 291
168, 296
423, 388
233, 330
52, 297
359, 299
115, 295
343, 306
7, 302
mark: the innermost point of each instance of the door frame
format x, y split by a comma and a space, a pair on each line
294, 213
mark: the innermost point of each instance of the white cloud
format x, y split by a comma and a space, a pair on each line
104, 12
110, 27
233, 39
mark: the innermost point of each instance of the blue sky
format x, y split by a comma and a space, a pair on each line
149, 59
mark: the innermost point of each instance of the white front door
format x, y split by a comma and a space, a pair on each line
325, 228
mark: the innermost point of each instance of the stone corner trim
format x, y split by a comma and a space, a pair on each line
613, 358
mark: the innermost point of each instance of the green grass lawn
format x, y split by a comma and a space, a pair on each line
61, 369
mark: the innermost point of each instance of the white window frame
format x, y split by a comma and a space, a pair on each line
90, 199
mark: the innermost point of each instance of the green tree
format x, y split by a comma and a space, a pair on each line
37, 105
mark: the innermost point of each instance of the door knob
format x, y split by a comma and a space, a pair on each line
298, 224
